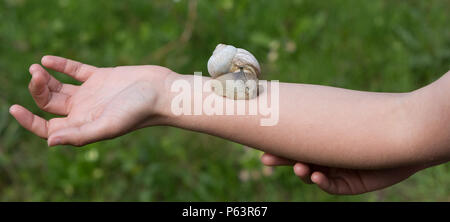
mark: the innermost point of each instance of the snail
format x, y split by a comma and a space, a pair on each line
236, 71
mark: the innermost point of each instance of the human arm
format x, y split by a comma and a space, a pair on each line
317, 124
342, 128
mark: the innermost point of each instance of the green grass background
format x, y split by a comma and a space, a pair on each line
379, 45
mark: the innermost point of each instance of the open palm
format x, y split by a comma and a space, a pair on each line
343, 181
109, 103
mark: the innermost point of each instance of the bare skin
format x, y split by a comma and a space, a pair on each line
353, 141
336, 180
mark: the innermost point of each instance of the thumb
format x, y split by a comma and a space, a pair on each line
81, 135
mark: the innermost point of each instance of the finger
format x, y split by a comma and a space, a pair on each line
29, 121
57, 124
76, 70
81, 135
39, 90
272, 160
53, 84
58, 104
303, 172
47, 100
323, 182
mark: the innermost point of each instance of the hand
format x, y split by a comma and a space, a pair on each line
110, 102
343, 181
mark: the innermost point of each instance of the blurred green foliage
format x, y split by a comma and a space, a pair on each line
379, 45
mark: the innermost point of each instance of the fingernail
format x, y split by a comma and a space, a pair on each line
32, 68
54, 142
297, 169
314, 178
11, 109
47, 61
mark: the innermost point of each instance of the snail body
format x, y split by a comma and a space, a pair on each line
236, 71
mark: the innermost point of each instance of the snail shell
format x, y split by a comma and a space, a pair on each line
230, 63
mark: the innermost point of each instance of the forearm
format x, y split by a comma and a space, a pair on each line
326, 126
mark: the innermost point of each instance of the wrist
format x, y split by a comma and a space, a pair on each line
161, 110
168, 93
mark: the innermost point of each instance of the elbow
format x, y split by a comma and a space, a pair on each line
425, 136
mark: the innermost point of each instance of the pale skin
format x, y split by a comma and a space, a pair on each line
344, 141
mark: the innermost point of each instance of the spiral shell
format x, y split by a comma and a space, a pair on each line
230, 63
